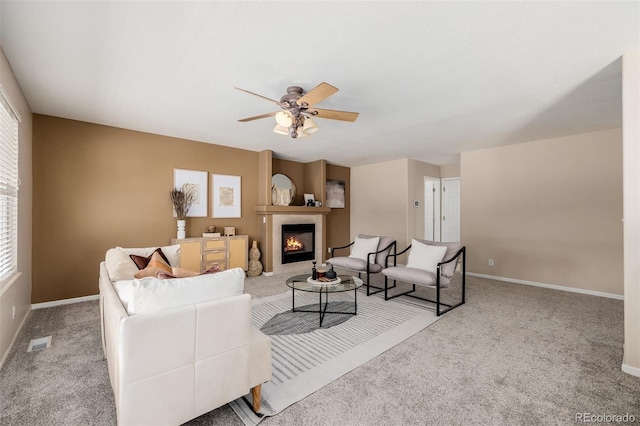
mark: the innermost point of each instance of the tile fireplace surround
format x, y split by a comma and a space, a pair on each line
276, 247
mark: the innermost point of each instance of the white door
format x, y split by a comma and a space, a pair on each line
450, 209
431, 208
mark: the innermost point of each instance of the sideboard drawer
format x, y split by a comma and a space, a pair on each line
214, 244
214, 255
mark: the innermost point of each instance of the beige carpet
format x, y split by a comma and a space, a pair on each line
513, 354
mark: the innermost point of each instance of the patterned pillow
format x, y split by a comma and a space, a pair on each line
157, 264
142, 262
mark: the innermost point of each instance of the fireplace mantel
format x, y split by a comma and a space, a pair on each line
271, 220
292, 210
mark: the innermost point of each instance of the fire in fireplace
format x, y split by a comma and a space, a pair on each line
298, 242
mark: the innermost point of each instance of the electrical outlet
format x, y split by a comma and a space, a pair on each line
329, 250
490, 262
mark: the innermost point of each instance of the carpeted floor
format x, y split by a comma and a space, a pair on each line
513, 354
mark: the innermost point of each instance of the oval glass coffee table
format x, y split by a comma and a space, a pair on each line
304, 283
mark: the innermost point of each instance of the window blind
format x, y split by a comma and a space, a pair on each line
8, 191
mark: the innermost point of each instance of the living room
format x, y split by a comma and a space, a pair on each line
546, 208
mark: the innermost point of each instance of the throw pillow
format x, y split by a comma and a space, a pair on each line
171, 252
156, 264
119, 265
363, 246
142, 261
425, 256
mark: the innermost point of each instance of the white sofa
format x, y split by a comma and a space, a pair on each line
167, 364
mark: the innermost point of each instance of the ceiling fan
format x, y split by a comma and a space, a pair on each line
298, 108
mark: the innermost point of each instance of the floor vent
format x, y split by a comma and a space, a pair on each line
38, 344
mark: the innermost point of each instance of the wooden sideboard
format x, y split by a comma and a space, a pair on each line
199, 254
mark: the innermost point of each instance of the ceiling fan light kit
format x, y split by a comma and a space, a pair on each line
281, 130
295, 119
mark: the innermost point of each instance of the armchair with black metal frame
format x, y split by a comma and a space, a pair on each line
440, 277
368, 255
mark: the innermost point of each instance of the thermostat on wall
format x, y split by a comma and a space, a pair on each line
416, 203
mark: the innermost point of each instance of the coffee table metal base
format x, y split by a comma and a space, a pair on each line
322, 308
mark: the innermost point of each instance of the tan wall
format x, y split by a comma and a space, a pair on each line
338, 226
97, 187
295, 172
547, 211
631, 149
450, 170
18, 294
379, 197
416, 173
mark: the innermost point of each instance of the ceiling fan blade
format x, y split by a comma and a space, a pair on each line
317, 94
260, 96
334, 114
257, 117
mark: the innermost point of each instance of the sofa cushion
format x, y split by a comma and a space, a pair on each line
155, 266
425, 256
142, 261
363, 246
148, 295
186, 273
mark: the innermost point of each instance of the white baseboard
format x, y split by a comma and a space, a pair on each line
551, 286
15, 337
634, 371
64, 302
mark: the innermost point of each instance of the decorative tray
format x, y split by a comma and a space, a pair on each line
324, 282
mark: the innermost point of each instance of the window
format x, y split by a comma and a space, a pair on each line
8, 191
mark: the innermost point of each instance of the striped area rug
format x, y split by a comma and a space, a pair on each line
305, 363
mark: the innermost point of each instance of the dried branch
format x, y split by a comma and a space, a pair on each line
182, 201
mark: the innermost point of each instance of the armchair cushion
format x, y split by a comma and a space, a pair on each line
363, 246
354, 264
448, 269
414, 275
425, 256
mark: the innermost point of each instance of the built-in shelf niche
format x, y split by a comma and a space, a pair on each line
309, 178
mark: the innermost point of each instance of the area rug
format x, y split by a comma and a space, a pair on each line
306, 362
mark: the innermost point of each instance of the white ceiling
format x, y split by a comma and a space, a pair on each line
429, 79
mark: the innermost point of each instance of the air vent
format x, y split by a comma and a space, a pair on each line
40, 343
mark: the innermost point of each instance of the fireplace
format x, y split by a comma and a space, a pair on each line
298, 242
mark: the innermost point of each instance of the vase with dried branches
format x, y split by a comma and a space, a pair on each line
182, 201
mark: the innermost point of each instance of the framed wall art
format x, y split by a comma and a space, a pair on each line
335, 193
193, 181
227, 196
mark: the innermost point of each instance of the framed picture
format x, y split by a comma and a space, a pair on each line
196, 182
309, 198
226, 196
335, 193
